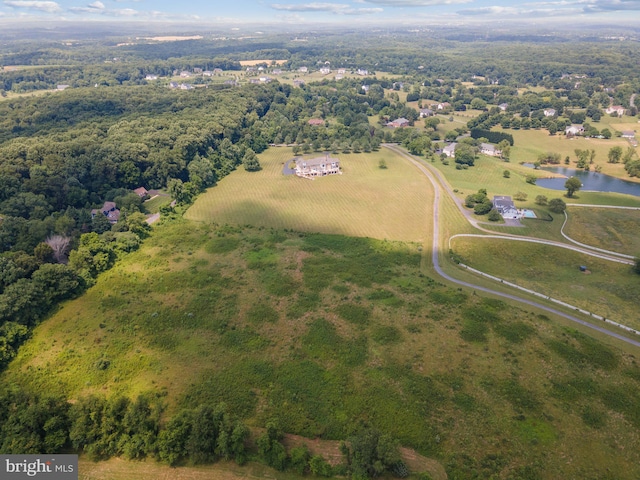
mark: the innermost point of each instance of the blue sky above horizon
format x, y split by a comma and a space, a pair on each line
349, 12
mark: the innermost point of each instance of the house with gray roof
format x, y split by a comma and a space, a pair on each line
317, 167
505, 206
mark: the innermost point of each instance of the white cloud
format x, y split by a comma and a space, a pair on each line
336, 8
414, 3
102, 10
49, 7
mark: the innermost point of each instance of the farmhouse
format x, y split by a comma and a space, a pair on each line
317, 167
489, 149
617, 109
316, 122
362, 72
628, 134
503, 106
426, 112
399, 123
141, 192
450, 150
549, 112
303, 69
109, 210
505, 206
574, 130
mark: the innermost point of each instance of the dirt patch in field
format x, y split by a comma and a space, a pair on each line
330, 450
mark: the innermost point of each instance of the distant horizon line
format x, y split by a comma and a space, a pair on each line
230, 25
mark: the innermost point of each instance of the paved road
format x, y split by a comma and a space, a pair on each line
436, 261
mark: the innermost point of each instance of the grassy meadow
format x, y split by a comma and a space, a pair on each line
365, 201
327, 332
609, 289
607, 228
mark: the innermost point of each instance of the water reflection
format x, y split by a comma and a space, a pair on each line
591, 181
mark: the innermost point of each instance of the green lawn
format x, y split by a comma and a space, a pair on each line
364, 201
610, 289
153, 205
607, 228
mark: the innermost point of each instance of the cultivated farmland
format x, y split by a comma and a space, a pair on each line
364, 201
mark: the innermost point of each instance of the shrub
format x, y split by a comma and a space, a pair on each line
557, 205
520, 196
541, 200
494, 215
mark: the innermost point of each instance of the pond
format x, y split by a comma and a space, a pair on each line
591, 181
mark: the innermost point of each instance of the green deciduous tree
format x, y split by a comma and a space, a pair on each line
250, 161
614, 155
573, 184
557, 205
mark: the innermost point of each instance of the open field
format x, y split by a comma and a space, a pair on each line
325, 332
610, 289
607, 228
364, 201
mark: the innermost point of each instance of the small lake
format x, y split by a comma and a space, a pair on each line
591, 181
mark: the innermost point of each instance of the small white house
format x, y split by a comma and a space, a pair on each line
574, 129
617, 109
450, 150
489, 149
549, 112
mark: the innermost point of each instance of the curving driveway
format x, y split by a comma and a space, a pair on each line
429, 173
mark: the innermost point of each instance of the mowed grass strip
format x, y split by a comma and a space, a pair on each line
608, 228
608, 289
365, 201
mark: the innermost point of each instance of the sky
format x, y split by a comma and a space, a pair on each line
300, 12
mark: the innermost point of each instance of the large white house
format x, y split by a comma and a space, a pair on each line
505, 206
317, 167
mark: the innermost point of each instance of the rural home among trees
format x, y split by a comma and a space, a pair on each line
317, 167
